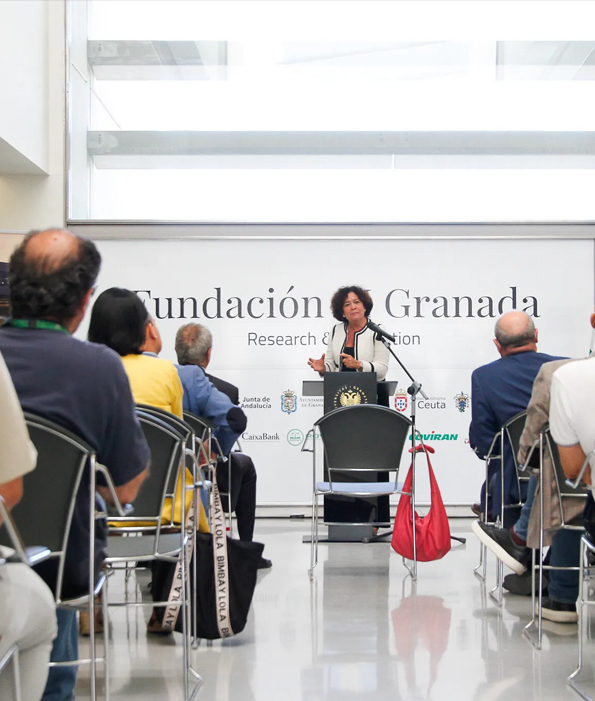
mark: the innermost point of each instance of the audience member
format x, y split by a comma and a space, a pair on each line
571, 416
120, 320
206, 395
510, 545
27, 610
79, 385
499, 390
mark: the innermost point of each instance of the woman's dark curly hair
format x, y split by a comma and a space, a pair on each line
340, 296
42, 287
119, 321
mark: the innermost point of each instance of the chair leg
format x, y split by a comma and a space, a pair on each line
11, 657
92, 650
184, 613
193, 589
314, 536
496, 593
106, 665
481, 569
536, 602
413, 569
584, 603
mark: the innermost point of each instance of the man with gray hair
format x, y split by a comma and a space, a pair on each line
205, 395
499, 390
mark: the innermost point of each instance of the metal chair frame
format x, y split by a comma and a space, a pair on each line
195, 445
546, 442
33, 554
362, 489
203, 429
587, 548
12, 655
39, 553
508, 432
161, 542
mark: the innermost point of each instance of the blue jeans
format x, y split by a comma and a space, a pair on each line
521, 527
61, 680
564, 552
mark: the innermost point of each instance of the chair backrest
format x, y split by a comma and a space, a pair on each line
513, 430
564, 490
12, 534
44, 515
203, 429
364, 437
180, 425
166, 445
200, 424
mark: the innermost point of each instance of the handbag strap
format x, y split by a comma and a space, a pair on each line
220, 563
434, 488
172, 610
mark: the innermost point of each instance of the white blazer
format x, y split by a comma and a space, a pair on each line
372, 353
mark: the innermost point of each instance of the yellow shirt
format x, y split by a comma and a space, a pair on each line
154, 381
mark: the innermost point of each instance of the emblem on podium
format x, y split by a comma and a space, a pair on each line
348, 395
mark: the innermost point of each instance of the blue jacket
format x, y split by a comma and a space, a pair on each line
202, 398
499, 390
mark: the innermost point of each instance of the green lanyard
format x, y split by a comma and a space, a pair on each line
36, 324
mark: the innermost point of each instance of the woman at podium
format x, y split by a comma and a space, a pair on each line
352, 346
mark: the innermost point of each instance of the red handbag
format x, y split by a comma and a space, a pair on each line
432, 532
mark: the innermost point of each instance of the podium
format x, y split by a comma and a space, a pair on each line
347, 516
384, 390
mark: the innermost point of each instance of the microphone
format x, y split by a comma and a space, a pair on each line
380, 333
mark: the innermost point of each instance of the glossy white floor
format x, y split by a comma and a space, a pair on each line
361, 630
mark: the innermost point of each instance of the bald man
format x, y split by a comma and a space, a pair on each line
81, 386
499, 390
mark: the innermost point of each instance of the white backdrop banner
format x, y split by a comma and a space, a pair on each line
267, 305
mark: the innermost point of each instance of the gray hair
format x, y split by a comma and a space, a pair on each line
192, 344
515, 335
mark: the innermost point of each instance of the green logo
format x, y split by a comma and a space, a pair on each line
295, 437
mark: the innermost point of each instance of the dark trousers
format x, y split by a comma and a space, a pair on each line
565, 552
243, 491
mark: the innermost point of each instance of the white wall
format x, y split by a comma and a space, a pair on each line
264, 333
32, 112
24, 78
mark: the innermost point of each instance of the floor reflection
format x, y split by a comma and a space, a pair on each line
361, 631
421, 622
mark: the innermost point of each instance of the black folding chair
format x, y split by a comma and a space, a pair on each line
203, 428
43, 517
358, 439
587, 557
11, 655
509, 435
158, 539
548, 449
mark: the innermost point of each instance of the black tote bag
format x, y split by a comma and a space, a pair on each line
226, 571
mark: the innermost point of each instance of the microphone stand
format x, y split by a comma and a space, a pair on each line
413, 390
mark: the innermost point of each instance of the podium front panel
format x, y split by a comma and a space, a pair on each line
343, 389
349, 388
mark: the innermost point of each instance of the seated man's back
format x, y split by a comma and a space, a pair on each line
82, 387
499, 391
79, 386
